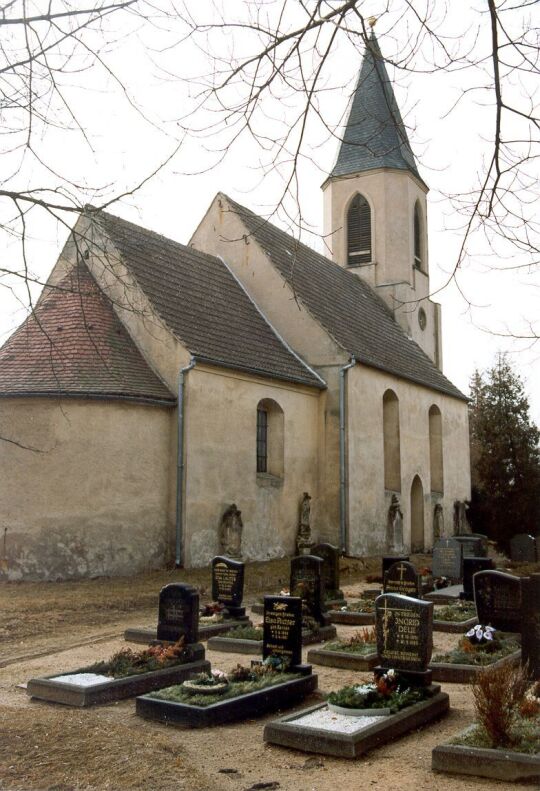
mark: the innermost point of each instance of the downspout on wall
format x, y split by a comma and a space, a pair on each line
343, 514
180, 465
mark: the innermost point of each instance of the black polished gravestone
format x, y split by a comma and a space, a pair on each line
530, 626
470, 567
498, 600
178, 613
523, 548
402, 578
307, 583
330, 569
473, 546
282, 628
404, 629
447, 559
228, 584
389, 560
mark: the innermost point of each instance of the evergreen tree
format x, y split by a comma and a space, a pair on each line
505, 456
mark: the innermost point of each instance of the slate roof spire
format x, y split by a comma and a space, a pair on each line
375, 136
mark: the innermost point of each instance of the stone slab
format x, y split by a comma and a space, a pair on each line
352, 618
254, 704
343, 659
287, 732
447, 595
481, 762
454, 627
114, 689
466, 674
148, 635
236, 645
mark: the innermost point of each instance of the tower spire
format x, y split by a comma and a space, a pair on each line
375, 136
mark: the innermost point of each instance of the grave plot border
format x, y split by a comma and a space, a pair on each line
384, 729
466, 674
45, 688
448, 595
483, 762
147, 635
454, 627
239, 645
352, 618
342, 659
252, 704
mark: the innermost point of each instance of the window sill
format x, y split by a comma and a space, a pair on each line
268, 481
360, 266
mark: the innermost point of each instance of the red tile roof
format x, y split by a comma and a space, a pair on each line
74, 344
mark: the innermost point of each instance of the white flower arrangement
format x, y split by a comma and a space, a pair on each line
480, 634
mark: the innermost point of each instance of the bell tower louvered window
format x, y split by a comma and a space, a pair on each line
359, 232
417, 237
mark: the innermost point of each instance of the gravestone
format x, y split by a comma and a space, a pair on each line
498, 600
470, 567
537, 539
307, 583
404, 629
447, 559
228, 584
472, 546
282, 628
330, 568
178, 613
402, 578
389, 560
523, 548
530, 628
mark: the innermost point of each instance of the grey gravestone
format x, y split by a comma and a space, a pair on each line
472, 546
178, 613
228, 583
307, 583
330, 568
402, 578
404, 632
498, 600
523, 548
470, 567
389, 560
282, 629
530, 628
447, 559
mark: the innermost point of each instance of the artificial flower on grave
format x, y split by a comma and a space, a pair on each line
480, 635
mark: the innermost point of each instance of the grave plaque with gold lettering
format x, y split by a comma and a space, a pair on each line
282, 630
404, 632
402, 578
227, 581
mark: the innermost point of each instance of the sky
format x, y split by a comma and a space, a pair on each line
146, 104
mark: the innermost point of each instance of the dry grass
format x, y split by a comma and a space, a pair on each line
498, 693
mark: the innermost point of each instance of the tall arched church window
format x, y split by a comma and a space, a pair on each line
392, 449
418, 257
359, 232
436, 449
270, 438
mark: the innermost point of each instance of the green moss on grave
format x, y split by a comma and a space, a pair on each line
179, 694
454, 613
525, 736
244, 633
480, 655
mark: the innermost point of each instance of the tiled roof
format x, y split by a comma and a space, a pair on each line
346, 306
203, 304
74, 344
375, 135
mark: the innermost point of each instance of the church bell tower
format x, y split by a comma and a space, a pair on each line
375, 212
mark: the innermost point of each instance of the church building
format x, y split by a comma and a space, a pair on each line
155, 383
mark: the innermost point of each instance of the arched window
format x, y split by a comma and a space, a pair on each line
270, 438
418, 256
359, 232
392, 452
435, 449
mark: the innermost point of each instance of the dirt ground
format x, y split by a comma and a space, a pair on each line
57, 627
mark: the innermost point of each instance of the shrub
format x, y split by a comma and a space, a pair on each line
498, 694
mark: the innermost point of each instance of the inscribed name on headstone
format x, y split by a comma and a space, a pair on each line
447, 559
404, 632
178, 613
227, 581
523, 548
470, 567
330, 568
307, 583
402, 578
282, 628
498, 600
472, 546
389, 560
530, 628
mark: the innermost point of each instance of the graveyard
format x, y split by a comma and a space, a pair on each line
365, 705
